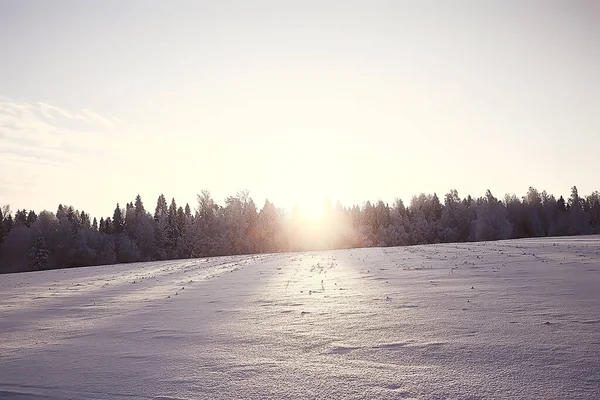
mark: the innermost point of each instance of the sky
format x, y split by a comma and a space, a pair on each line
295, 101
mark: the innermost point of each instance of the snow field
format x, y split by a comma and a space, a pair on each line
515, 319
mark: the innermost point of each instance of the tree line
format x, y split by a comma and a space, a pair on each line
70, 238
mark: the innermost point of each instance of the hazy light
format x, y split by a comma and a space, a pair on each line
295, 102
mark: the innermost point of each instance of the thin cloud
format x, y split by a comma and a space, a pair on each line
97, 118
47, 143
48, 110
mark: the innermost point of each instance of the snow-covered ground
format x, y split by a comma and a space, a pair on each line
508, 320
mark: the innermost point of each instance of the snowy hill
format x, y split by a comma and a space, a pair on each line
515, 319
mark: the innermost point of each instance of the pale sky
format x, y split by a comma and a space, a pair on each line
295, 101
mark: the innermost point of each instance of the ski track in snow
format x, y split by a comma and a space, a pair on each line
516, 319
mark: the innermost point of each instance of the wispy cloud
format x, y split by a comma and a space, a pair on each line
50, 111
50, 132
44, 148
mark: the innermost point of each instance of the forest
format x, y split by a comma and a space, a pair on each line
71, 238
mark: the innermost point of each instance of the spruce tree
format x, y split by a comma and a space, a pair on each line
139, 206
39, 254
118, 221
31, 218
2, 229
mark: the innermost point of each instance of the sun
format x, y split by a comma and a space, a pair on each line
312, 208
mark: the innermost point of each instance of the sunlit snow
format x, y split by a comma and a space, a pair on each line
515, 319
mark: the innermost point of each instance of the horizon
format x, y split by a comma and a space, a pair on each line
314, 213
295, 103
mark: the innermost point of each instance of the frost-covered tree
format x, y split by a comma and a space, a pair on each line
533, 208
206, 233
133, 234
173, 232
579, 219
451, 218
7, 221
234, 225
269, 229
492, 222
2, 229
593, 203
139, 205
425, 212
161, 231
106, 250
558, 216
397, 230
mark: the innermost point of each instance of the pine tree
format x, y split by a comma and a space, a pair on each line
39, 254
21, 217
161, 225
109, 226
172, 228
95, 225
161, 208
181, 218
492, 222
560, 204
8, 223
85, 220
139, 206
118, 221
579, 218
31, 218
60, 212
2, 228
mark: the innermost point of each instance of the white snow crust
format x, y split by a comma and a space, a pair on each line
516, 319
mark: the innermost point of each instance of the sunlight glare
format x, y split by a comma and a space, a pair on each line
312, 208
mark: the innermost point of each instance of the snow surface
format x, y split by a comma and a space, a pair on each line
512, 320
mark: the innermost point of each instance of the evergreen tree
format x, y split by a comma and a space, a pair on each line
2, 228
139, 206
118, 222
39, 254
593, 202
8, 223
21, 217
31, 218
69, 238
84, 219
161, 228
172, 229
492, 222
60, 212
161, 208
579, 219
181, 217
109, 226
